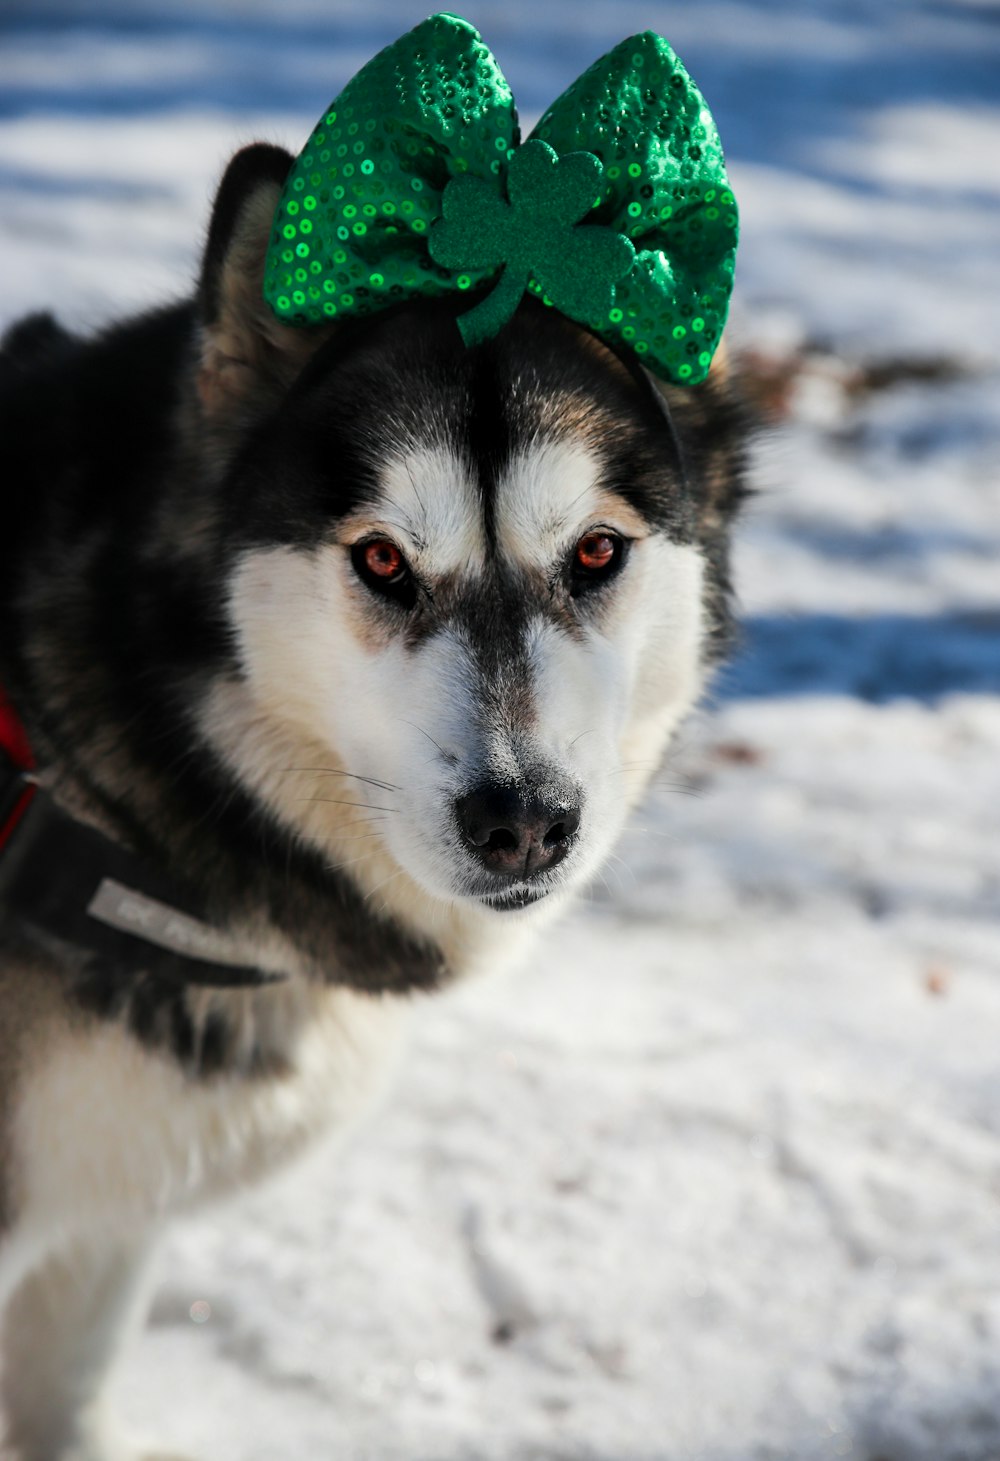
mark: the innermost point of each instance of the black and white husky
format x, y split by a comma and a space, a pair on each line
368, 642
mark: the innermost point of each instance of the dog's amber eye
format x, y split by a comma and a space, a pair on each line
596, 560
384, 560
596, 552
381, 567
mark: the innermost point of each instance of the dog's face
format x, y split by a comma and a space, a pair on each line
472, 578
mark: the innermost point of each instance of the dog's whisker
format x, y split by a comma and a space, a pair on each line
604, 882
336, 771
399, 873
354, 861
416, 491
615, 862
423, 732
678, 788
334, 801
656, 832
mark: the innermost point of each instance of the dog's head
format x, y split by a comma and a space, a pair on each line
476, 588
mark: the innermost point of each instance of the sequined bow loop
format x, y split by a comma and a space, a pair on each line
616, 211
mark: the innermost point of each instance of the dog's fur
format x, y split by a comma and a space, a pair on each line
205, 677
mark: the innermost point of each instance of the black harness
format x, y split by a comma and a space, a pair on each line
72, 883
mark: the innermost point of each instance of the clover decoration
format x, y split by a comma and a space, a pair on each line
532, 237
616, 211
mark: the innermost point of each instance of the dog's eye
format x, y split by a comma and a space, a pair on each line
595, 552
596, 558
384, 560
381, 566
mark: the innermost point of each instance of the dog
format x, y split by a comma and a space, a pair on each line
359, 646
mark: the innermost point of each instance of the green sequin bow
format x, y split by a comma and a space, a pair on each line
616, 211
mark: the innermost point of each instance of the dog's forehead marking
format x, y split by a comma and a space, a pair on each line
431, 497
549, 491
428, 496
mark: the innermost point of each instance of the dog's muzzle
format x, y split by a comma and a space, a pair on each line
516, 833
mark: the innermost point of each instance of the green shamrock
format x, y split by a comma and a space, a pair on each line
536, 235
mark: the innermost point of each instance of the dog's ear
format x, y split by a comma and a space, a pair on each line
249, 357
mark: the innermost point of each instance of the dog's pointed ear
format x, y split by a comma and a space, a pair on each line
249, 357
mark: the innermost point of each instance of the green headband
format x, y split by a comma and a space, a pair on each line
616, 211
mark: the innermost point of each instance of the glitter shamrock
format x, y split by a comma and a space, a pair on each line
537, 235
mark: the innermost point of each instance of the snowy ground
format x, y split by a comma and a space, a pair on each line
717, 1176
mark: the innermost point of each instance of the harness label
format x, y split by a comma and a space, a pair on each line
146, 918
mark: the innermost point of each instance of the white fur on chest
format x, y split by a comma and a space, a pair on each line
108, 1132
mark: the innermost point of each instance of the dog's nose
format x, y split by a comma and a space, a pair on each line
514, 830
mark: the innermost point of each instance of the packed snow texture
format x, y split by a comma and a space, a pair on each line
716, 1174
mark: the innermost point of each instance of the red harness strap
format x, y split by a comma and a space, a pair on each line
15, 792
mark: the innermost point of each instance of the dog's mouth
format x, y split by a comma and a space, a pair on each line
517, 898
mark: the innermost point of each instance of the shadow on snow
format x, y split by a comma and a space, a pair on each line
879, 658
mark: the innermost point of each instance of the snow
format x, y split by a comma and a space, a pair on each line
716, 1175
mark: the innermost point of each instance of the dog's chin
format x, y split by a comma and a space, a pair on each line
460, 892
515, 900
508, 902
447, 876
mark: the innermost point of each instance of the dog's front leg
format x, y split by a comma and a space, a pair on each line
63, 1327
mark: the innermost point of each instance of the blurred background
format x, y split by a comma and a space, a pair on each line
718, 1175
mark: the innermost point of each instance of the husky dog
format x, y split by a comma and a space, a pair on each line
367, 640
